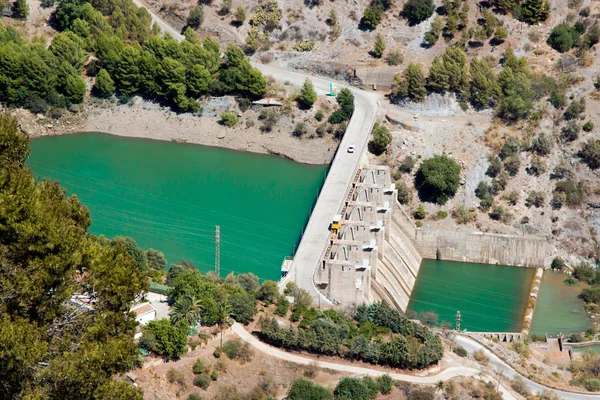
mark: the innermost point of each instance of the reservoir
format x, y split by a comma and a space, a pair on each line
170, 197
558, 307
490, 298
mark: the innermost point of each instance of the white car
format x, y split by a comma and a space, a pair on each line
351, 148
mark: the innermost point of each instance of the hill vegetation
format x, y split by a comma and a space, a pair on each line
51, 349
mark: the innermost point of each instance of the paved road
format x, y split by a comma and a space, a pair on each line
444, 375
509, 373
340, 174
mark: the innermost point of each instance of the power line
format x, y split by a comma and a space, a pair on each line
218, 250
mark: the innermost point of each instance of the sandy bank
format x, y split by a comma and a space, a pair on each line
151, 121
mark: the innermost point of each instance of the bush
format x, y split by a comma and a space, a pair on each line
196, 17
300, 129
480, 356
417, 11
463, 215
319, 115
542, 144
558, 99
303, 389
394, 58
381, 139
441, 215
162, 338
214, 375
385, 383
404, 193
588, 126
438, 178
591, 295
593, 385
567, 192
202, 381
407, 164
237, 350
495, 167
194, 397
420, 213
307, 95
282, 306
536, 199
371, 18
558, 263
354, 389
571, 131
590, 153
510, 148
574, 109
199, 367
498, 213
460, 351
176, 376
563, 37
521, 348
229, 119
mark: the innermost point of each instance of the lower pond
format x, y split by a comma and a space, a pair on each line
171, 196
490, 298
558, 308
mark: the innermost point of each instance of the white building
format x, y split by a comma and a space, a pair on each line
144, 313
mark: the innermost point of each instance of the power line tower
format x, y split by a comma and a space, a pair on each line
458, 321
218, 250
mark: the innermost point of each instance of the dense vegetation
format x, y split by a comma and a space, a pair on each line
377, 334
131, 59
438, 179
50, 349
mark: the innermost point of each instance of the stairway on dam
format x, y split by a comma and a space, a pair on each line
368, 256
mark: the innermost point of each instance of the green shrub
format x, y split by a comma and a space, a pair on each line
353, 389
194, 397
417, 11
371, 18
441, 214
558, 263
237, 350
214, 375
381, 139
460, 351
438, 178
407, 164
282, 306
307, 95
319, 115
593, 384
567, 193
303, 389
563, 37
590, 153
394, 58
176, 376
420, 213
575, 109
307, 45
202, 381
229, 119
199, 367
404, 193
588, 126
385, 383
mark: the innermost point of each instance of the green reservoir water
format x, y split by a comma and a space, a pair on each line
171, 196
594, 348
558, 308
490, 298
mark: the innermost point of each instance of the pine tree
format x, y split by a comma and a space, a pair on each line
21, 9
484, 87
196, 17
379, 48
438, 78
534, 11
104, 85
307, 95
411, 84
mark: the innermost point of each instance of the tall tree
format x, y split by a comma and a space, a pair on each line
307, 95
483, 87
223, 313
534, 11
104, 85
21, 9
379, 47
411, 83
186, 309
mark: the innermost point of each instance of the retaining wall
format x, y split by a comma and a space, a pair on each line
477, 247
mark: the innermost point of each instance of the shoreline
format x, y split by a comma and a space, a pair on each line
146, 120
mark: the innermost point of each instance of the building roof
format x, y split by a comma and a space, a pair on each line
143, 309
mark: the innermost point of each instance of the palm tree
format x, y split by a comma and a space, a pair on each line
223, 312
186, 309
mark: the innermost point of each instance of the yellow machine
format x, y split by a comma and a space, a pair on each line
336, 224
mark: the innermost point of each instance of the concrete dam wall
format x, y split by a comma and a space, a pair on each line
477, 247
375, 251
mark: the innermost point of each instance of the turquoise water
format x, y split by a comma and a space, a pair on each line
558, 308
490, 298
171, 196
594, 348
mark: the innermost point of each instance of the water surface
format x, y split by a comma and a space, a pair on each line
490, 298
171, 196
558, 308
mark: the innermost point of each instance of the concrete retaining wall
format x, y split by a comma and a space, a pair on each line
477, 247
